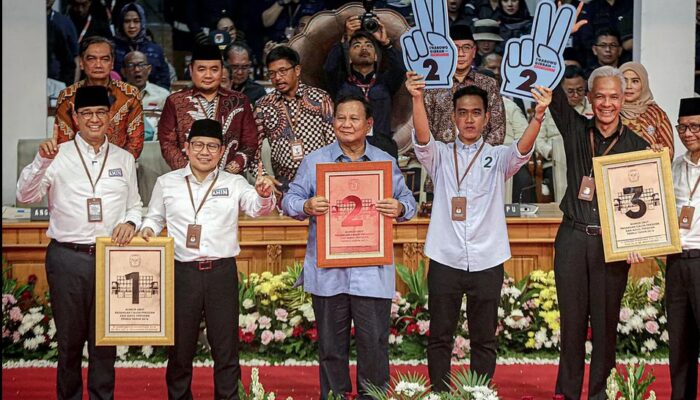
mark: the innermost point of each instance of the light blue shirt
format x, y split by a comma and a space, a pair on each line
481, 241
376, 281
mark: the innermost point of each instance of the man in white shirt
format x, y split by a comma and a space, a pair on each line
467, 240
200, 207
683, 270
92, 192
136, 70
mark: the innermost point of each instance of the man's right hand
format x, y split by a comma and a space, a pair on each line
48, 149
316, 206
146, 234
352, 25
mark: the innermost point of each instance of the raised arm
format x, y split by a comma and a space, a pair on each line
543, 96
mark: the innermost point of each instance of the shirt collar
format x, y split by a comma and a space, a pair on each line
187, 171
686, 158
363, 78
196, 92
87, 148
297, 95
591, 124
337, 153
461, 146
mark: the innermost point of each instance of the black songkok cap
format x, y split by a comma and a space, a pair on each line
206, 128
207, 52
461, 32
689, 106
91, 96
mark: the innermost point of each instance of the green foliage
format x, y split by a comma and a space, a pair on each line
416, 282
630, 382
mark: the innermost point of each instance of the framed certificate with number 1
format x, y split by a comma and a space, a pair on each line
353, 233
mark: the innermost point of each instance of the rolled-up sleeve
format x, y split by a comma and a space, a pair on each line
403, 194
34, 182
300, 190
427, 154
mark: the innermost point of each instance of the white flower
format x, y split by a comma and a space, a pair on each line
265, 322
589, 347
636, 323
433, 396
662, 319
52, 328
409, 389
308, 311
501, 312
248, 304
38, 330
147, 351
121, 352
295, 320
664, 336
650, 345
266, 337
33, 343
394, 310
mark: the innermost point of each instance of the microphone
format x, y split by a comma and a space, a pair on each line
527, 209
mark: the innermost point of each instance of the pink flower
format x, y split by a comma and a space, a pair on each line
264, 322
653, 293
625, 314
266, 337
652, 327
5, 333
15, 314
280, 336
423, 327
8, 299
15, 337
281, 314
394, 310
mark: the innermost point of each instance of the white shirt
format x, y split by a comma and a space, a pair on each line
481, 241
153, 99
683, 183
68, 187
170, 204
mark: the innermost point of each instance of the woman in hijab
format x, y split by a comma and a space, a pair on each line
131, 35
640, 112
514, 17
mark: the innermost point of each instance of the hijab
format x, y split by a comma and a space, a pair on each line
633, 109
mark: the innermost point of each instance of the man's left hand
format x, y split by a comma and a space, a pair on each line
390, 207
657, 147
123, 233
634, 258
264, 184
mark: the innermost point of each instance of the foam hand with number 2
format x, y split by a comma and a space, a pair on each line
427, 48
537, 58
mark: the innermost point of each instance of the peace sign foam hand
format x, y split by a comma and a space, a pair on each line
537, 58
427, 48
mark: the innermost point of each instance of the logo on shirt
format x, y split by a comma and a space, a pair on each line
220, 192
115, 172
487, 161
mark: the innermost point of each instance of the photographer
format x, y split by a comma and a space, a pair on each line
365, 63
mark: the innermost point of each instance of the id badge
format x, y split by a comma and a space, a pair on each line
459, 208
587, 189
289, 32
194, 234
94, 209
685, 220
296, 147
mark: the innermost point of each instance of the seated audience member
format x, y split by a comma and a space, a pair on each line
488, 38
455, 13
136, 70
492, 62
602, 14
62, 46
607, 50
226, 74
640, 112
295, 118
485, 9
515, 19
367, 65
574, 86
131, 35
238, 57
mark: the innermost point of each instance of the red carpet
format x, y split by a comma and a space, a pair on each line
513, 381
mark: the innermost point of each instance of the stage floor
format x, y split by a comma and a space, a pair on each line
512, 381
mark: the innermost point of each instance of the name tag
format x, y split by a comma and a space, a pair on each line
194, 234
115, 172
459, 208
587, 189
220, 192
94, 209
685, 220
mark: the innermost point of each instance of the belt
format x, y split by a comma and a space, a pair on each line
206, 264
590, 230
79, 247
691, 253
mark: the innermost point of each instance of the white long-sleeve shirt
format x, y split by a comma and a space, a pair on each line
170, 205
683, 182
68, 187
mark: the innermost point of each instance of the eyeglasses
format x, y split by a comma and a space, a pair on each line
281, 72
611, 46
694, 128
199, 146
241, 67
141, 65
87, 115
578, 91
466, 48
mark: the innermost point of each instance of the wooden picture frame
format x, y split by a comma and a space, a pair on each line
637, 204
145, 316
353, 233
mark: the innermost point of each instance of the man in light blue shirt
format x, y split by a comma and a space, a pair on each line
467, 239
358, 294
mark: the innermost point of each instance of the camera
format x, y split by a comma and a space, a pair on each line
369, 19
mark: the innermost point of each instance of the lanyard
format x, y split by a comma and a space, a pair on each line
292, 123
292, 16
201, 203
87, 25
365, 87
82, 160
687, 179
590, 135
471, 163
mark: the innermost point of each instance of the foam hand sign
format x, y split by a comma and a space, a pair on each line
427, 48
537, 58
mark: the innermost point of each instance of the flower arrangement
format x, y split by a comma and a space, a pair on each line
256, 390
277, 322
630, 382
464, 385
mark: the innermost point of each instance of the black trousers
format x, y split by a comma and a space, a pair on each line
587, 287
214, 291
683, 311
71, 277
372, 317
446, 287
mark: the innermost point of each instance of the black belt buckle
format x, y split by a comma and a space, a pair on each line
592, 230
204, 265
91, 250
